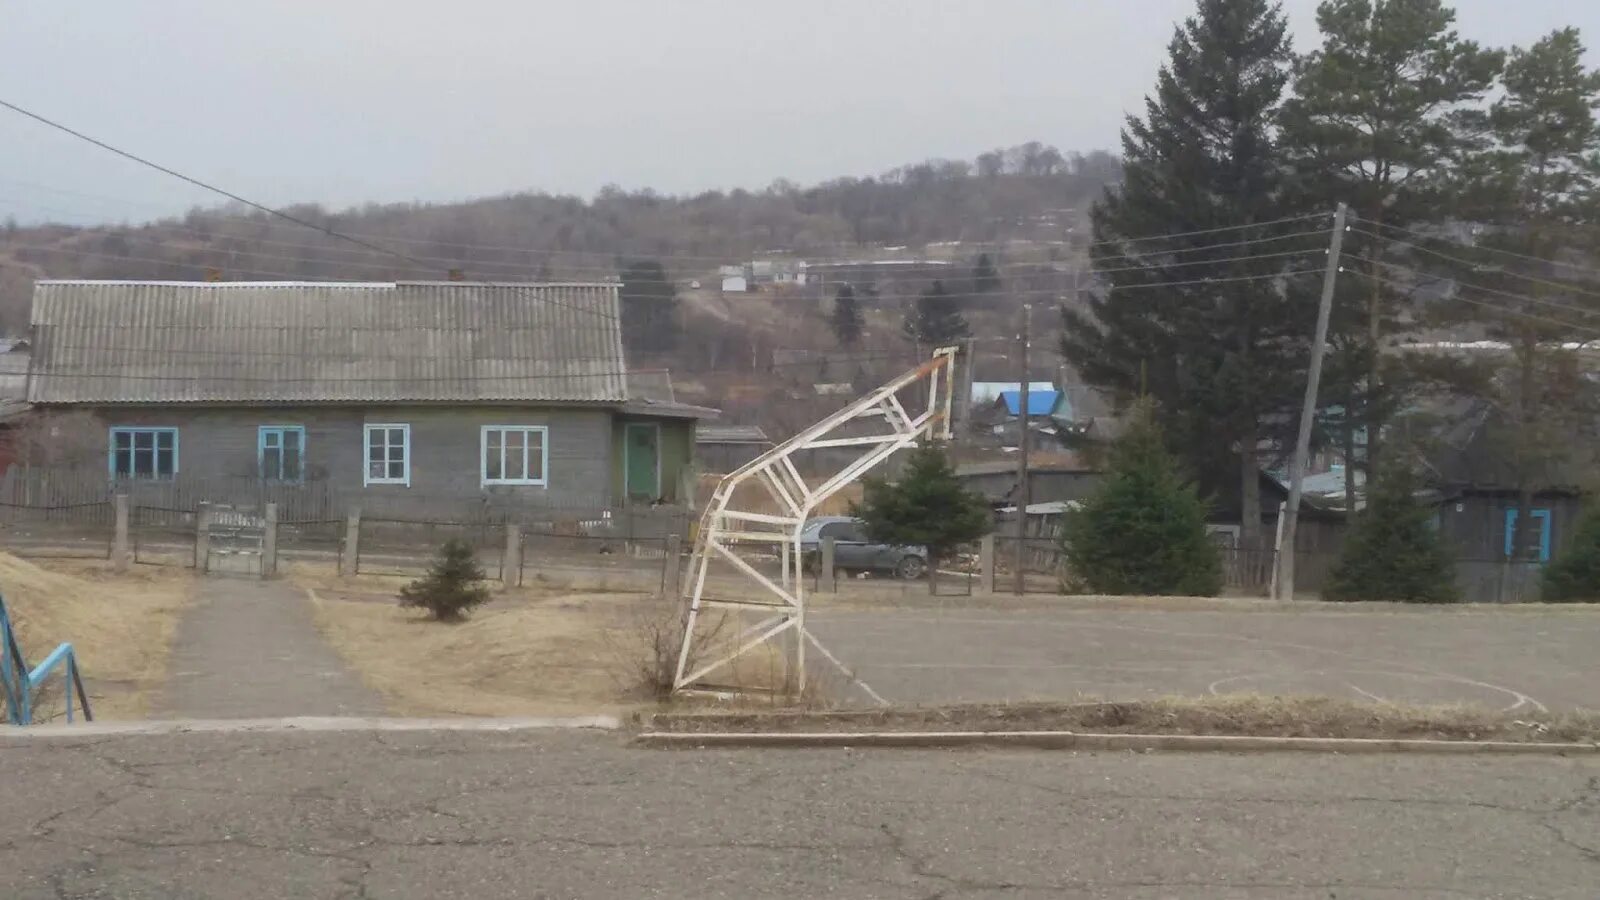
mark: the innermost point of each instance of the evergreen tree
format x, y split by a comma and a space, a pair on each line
936, 320
1574, 575
1382, 113
452, 587
649, 308
985, 277
1393, 551
1212, 337
926, 507
1144, 531
846, 320
1539, 185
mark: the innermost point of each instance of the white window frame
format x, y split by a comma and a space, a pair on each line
544, 455
366, 453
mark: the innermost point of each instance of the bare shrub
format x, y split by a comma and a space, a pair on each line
648, 636
645, 643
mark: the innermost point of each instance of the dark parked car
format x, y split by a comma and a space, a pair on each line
852, 552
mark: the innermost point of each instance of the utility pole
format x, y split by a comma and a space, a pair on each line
1024, 490
1302, 443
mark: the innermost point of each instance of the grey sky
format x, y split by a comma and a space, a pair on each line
347, 101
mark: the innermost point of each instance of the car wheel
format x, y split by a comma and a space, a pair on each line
911, 568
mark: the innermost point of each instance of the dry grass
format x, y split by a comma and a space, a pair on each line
514, 656
552, 647
525, 653
120, 625
1235, 714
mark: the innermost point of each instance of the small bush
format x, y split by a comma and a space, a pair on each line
1144, 531
1394, 551
1574, 575
453, 585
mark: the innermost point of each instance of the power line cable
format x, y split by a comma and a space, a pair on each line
612, 272
1212, 262
235, 197
1320, 233
1512, 253
1477, 287
674, 257
201, 184
1128, 287
1500, 308
492, 273
1479, 266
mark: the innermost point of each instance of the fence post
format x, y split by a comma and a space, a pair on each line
352, 542
119, 540
202, 537
827, 582
672, 575
269, 542
986, 564
511, 560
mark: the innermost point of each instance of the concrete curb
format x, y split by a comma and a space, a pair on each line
305, 724
1068, 740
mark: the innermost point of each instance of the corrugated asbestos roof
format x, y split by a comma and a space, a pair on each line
253, 342
731, 434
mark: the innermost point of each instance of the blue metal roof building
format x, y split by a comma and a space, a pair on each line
1040, 403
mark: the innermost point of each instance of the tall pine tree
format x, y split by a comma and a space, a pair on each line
1382, 113
1208, 335
1540, 190
649, 307
936, 320
985, 277
846, 319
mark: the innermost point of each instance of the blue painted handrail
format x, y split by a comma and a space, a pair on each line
21, 684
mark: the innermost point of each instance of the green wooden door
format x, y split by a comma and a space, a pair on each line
643, 463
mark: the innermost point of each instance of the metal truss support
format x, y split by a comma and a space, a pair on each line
735, 537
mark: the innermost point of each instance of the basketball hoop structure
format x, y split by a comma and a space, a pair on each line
878, 424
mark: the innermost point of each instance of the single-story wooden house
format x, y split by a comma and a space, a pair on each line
723, 448
1051, 477
420, 395
1480, 503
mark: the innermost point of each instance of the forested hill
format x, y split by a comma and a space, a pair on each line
1030, 193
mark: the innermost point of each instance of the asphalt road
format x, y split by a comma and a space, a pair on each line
1521, 658
541, 814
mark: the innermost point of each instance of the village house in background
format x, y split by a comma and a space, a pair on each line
427, 397
14, 356
723, 448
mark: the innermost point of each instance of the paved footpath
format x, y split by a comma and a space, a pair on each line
323, 815
248, 649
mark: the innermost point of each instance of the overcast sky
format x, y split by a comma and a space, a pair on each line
347, 101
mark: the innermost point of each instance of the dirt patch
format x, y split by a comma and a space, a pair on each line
120, 625
1242, 714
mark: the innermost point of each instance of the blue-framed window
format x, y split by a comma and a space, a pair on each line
388, 454
1541, 520
281, 452
144, 453
515, 454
